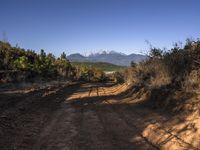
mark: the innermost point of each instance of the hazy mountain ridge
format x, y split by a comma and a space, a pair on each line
109, 57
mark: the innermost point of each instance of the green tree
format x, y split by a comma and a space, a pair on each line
22, 63
63, 65
63, 56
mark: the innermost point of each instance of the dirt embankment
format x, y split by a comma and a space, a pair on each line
90, 116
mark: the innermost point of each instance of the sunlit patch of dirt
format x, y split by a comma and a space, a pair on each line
175, 134
98, 90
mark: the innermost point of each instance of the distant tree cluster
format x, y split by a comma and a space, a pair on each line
91, 74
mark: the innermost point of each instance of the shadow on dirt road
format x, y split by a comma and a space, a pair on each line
83, 117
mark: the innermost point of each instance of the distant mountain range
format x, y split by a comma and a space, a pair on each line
109, 57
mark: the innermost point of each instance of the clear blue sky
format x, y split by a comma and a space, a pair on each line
92, 25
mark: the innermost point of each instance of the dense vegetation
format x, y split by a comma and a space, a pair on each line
15, 59
107, 67
168, 77
17, 64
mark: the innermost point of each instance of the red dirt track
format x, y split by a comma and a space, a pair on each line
80, 117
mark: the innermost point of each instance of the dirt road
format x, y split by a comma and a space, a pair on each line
82, 117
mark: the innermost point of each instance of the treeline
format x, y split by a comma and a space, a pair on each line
18, 64
35, 65
168, 77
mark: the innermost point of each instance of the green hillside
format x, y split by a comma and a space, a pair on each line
99, 65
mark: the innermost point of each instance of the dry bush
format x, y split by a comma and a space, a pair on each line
153, 73
179, 62
192, 81
165, 74
119, 77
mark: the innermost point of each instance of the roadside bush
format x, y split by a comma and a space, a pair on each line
118, 77
192, 81
151, 73
166, 73
43, 66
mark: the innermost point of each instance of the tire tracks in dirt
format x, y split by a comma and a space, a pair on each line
21, 127
91, 134
122, 135
114, 129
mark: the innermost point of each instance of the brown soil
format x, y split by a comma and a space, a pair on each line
86, 117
